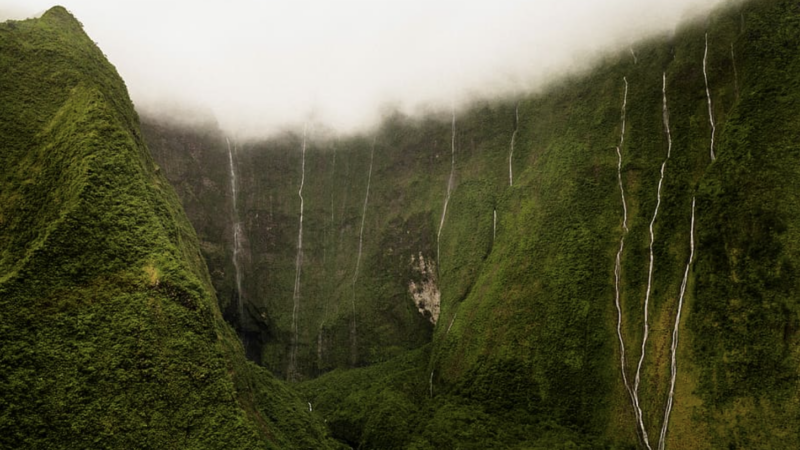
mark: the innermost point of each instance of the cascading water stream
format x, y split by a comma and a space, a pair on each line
237, 233
353, 330
674, 347
665, 115
292, 371
511, 152
633, 53
618, 272
325, 256
619, 159
449, 185
621, 247
708, 96
452, 321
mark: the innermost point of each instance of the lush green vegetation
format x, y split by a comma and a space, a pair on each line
525, 352
110, 334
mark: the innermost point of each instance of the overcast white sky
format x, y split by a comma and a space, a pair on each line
259, 65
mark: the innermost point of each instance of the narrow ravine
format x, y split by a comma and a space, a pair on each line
237, 234
674, 348
511, 152
353, 325
708, 96
449, 186
646, 333
292, 371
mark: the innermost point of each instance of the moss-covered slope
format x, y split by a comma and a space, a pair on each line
110, 335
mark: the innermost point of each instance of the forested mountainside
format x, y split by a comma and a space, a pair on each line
610, 262
110, 333
607, 263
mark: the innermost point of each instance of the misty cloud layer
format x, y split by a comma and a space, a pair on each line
260, 66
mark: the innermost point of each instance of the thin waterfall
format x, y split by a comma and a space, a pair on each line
328, 238
665, 118
665, 114
617, 266
430, 383
292, 372
619, 158
452, 321
237, 233
511, 152
675, 329
353, 330
449, 185
708, 96
618, 273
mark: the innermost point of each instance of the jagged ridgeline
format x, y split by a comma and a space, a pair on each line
110, 334
610, 262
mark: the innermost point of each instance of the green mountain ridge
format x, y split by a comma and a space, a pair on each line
110, 332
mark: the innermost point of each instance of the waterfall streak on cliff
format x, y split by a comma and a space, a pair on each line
511, 153
298, 266
449, 185
665, 117
361, 238
633, 53
619, 159
618, 272
237, 233
452, 321
617, 265
674, 348
364, 212
708, 96
430, 383
665, 114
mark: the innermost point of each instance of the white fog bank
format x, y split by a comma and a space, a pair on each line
261, 65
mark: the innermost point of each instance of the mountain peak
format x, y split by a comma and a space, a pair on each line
61, 16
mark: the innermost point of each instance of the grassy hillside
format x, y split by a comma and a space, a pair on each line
526, 350
110, 334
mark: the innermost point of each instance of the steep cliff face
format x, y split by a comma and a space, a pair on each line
110, 334
608, 263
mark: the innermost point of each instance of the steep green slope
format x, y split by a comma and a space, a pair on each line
110, 335
526, 351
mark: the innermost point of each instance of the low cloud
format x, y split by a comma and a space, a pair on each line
261, 66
